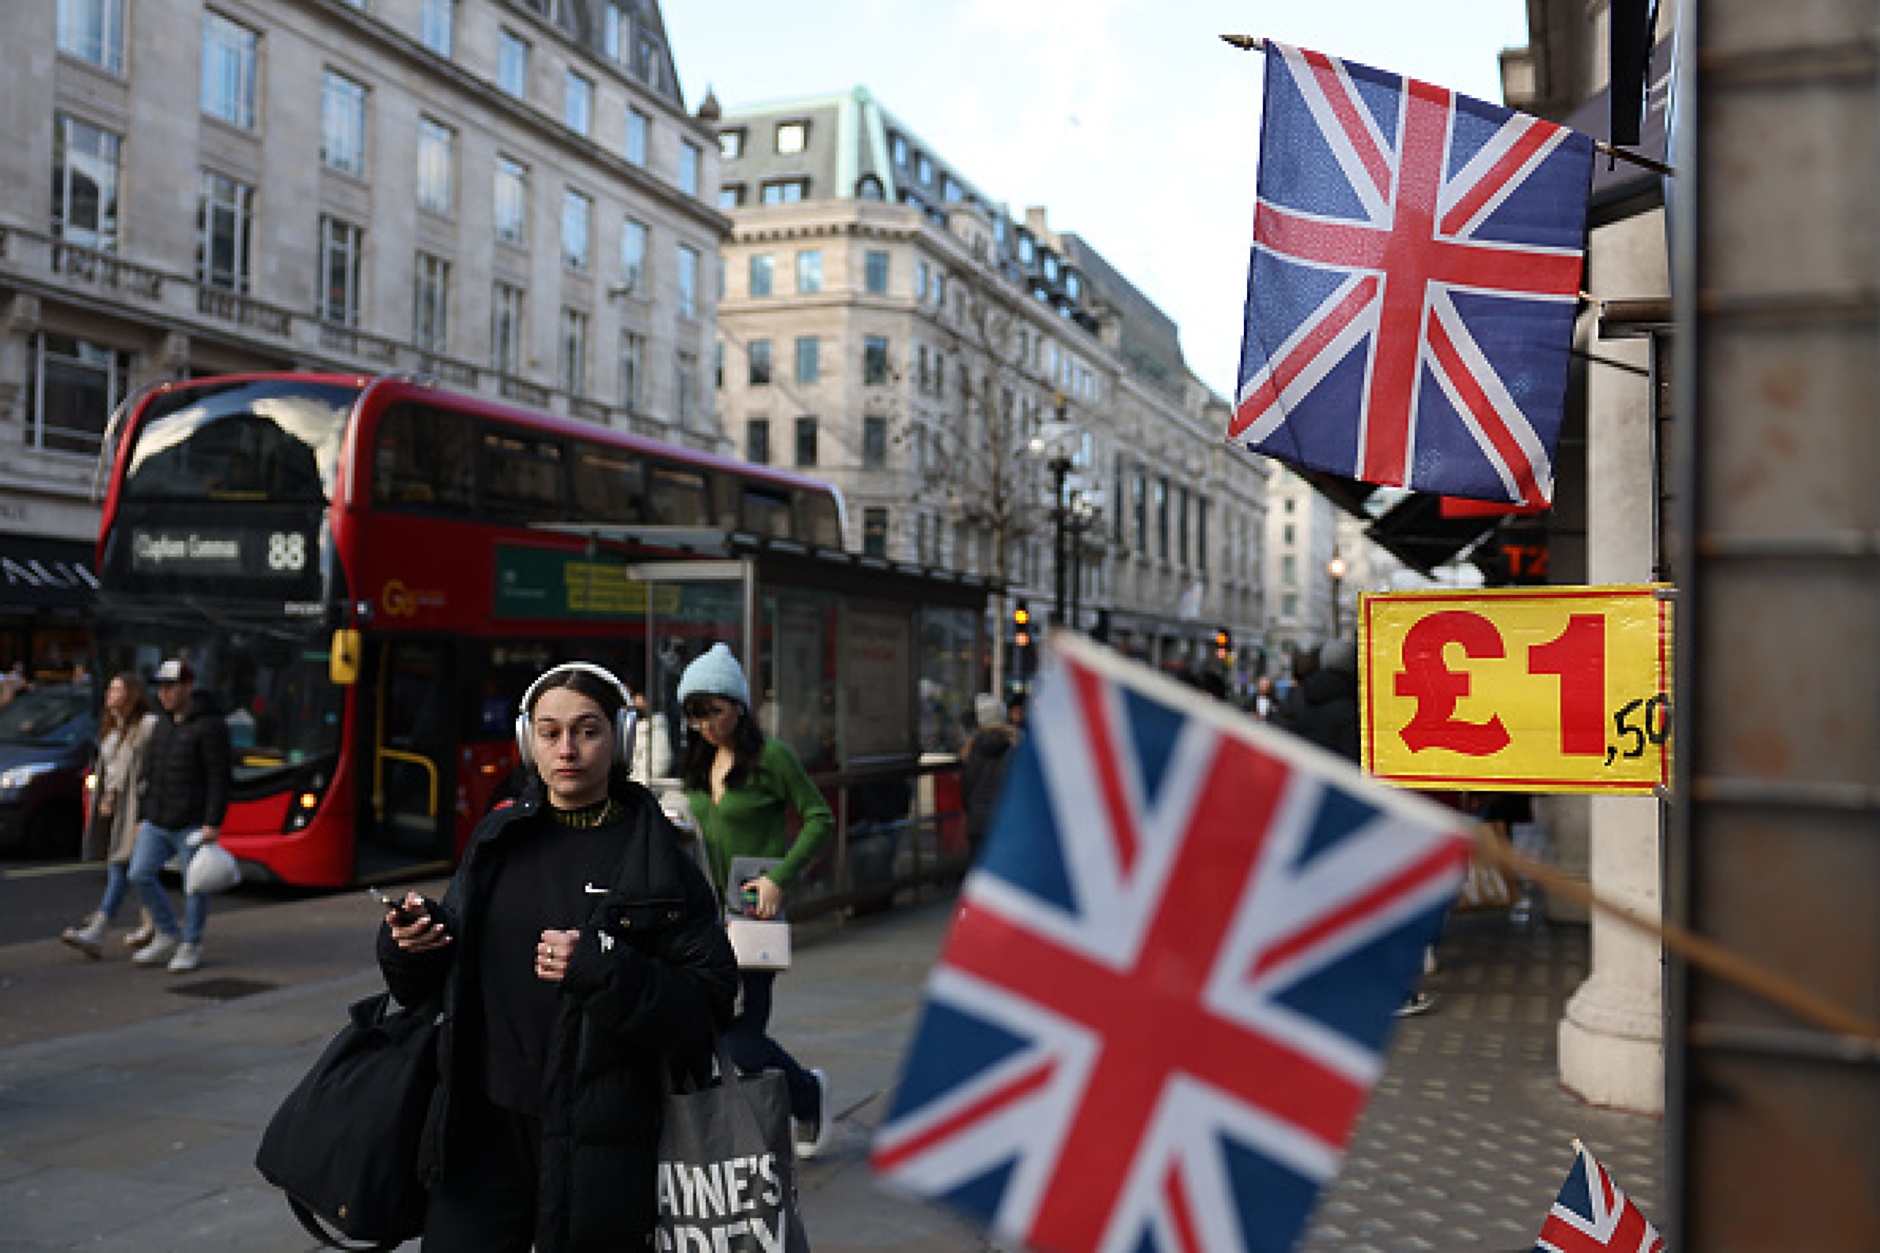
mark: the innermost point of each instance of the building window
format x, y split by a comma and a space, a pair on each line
633, 237
731, 143
785, 190
950, 189
923, 169
757, 441
616, 31
686, 388
808, 359
875, 273
646, 59
93, 30
430, 303
632, 371
577, 103
84, 184
730, 195
437, 167
225, 231
759, 354
437, 26
231, 61
507, 308
690, 159
763, 273
75, 386
875, 359
792, 137
577, 215
1181, 526
639, 126
898, 146
688, 282
573, 354
874, 443
512, 202
341, 261
874, 531
512, 65
343, 124
806, 440
921, 272
809, 270
1161, 517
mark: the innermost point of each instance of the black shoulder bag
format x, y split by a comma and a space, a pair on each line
344, 1144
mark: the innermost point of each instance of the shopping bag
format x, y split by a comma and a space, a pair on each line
760, 944
727, 1166
344, 1144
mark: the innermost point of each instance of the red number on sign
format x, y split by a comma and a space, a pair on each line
1578, 656
1427, 679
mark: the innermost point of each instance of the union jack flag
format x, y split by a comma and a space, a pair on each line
1593, 1216
1167, 990
1416, 266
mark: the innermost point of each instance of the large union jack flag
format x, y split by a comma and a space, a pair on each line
1594, 1216
1166, 993
1416, 266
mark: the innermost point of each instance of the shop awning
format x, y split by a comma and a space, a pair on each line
39, 573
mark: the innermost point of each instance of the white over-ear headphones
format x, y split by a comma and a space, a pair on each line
624, 721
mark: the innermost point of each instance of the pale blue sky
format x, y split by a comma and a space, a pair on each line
1128, 119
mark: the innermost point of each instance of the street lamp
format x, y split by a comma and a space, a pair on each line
1054, 440
1086, 511
1336, 568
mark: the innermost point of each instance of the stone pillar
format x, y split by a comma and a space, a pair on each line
1612, 1038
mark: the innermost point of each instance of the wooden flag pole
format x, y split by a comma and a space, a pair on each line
1705, 954
1253, 43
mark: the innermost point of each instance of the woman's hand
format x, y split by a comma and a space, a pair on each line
423, 933
769, 897
553, 954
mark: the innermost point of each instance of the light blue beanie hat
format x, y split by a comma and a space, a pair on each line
715, 672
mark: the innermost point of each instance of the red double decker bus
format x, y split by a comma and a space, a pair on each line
367, 572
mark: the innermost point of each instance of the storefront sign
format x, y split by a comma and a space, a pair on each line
1545, 689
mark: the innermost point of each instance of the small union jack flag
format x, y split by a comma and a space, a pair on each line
1168, 987
1416, 267
1593, 1216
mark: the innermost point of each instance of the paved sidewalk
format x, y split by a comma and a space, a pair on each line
141, 1137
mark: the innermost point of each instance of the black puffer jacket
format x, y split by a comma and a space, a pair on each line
186, 769
651, 978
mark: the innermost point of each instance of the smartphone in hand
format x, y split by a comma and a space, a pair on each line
402, 914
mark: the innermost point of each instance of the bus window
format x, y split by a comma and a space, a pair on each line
520, 476
609, 485
265, 442
821, 520
678, 497
422, 460
766, 512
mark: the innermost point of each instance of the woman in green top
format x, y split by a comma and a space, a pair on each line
741, 786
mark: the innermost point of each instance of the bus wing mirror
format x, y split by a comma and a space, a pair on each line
343, 663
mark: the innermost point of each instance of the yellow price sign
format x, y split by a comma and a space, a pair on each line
1540, 689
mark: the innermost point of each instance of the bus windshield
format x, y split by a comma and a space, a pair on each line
270, 684
267, 440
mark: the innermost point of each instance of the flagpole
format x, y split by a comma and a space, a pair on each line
1253, 43
1706, 954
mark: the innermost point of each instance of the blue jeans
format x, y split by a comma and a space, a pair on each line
156, 845
117, 885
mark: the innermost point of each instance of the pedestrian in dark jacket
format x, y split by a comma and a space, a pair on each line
982, 775
578, 955
1323, 706
184, 798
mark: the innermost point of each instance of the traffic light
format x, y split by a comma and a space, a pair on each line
1223, 645
1021, 625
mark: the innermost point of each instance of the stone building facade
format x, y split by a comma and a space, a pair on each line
969, 379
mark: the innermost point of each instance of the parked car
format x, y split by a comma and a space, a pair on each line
47, 739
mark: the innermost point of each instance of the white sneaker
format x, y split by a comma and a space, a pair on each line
88, 939
188, 957
158, 951
812, 1134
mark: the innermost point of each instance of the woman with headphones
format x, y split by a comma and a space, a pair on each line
577, 955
